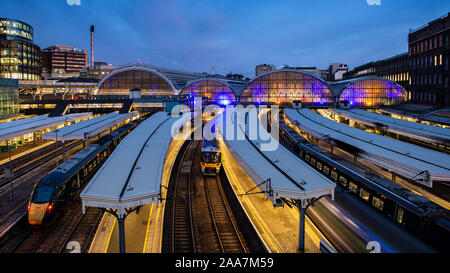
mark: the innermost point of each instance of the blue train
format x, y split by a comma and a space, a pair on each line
414, 213
65, 182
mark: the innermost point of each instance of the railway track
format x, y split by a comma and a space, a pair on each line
198, 216
70, 231
26, 163
229, 238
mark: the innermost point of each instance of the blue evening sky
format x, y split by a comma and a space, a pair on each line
234, 36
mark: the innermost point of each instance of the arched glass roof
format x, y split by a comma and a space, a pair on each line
151, 81
217, 91
371, 91
284, 86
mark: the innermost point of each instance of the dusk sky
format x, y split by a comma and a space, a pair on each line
232, 35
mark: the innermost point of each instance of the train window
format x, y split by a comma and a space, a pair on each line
319, 166
301, 153
364, 194
353, 187
378, 203
343, 181
85, 172
400, 213
326, 170
307, 157
42, 194
334, 175
104, 153
90, 167
313, 161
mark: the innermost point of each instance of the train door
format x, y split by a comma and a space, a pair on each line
78, 180
399, 215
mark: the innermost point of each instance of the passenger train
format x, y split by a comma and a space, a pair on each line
414, 213
66, 181
211, 157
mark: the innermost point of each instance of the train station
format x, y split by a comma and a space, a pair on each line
284, 200
188, 148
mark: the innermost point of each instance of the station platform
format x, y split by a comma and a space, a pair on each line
423, 132
278, 227
39, 124
274, 187
405, 160
89, 128
143, 229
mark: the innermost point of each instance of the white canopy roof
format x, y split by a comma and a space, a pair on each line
290, 177
88, 128
24, 126
132, 175
403, 127
403, 158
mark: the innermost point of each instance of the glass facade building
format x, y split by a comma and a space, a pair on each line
9, 97
371, 92
217, 91
285, 86
19, 56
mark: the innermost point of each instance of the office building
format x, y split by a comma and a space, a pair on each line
60, 61
19, 56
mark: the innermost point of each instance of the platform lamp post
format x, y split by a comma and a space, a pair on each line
56, 146
11, 173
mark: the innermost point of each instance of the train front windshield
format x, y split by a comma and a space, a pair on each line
42, 194
211, 157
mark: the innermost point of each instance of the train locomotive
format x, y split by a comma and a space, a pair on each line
414, 213
65, 182
211, 157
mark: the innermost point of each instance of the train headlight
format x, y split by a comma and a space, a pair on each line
49, 207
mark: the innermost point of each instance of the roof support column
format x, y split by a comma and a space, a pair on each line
121, 220
301, 235
121, 215
302, 206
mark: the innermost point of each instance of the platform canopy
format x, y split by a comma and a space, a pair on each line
407, 160
289, 176
12, 129
416, 130
88, 128
131, 176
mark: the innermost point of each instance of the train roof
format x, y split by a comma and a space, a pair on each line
73, 161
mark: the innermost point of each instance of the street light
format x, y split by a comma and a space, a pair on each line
56, 146
10, 174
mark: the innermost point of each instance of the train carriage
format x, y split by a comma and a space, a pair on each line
412, 212
65, 182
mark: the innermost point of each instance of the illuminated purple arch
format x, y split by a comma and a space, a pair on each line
217, 91
371, 91
285, 86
